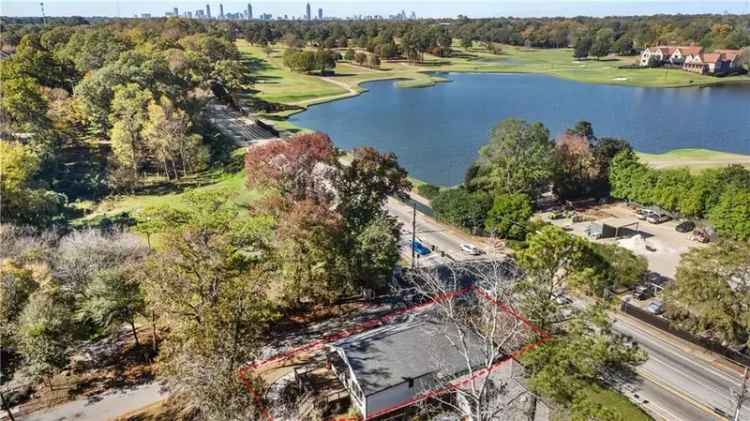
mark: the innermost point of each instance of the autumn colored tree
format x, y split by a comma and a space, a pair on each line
308, 254
296, 167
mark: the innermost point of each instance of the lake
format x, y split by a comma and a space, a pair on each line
436, 132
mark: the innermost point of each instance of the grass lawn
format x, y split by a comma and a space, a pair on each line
278, 84
560, 62
618, 403
211, 181
695, 159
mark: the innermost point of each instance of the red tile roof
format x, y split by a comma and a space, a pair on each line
712, 57
693, 49
728, 54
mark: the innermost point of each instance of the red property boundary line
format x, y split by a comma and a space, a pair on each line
377, 322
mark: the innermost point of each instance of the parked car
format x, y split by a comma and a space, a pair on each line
655, 307
656, 218
685, 226
420, 248
643, 292
471, 249
643, 213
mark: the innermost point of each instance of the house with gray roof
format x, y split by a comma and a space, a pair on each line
387, 368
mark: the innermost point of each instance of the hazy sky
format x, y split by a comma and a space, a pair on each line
344, 8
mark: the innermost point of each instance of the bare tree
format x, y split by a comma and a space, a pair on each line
472, 303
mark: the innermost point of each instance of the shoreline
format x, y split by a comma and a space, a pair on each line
418, 84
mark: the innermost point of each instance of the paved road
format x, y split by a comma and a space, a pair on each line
431, 233
106, 406
670, 368
673, 384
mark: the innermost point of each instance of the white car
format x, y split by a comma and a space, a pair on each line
470, 249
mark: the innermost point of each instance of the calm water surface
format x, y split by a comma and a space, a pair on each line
437, 131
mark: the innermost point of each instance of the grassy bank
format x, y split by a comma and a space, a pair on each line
695, 159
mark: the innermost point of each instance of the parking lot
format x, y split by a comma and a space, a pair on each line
660, 244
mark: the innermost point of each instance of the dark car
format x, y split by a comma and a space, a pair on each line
686, 226
642, 292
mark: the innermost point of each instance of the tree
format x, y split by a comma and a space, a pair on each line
575, 166
168, 137
210, 281
82, 254
23, 201
376, 253
365, 184
22, 106
509, 215
91, 48
551, 259
324, 60
461, 208
292, 165
129, 108
17, 283
360, 58
517, 159
602, 43
582, 46
623, 269
349, 55
711, 294
45, 334
624, 45
744, 58
467, 42
112, 298
308, 253
374, 61
566, 367
731, 216
300, 60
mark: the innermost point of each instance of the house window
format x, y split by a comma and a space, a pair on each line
411, 382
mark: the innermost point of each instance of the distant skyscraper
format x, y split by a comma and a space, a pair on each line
320, 13
249, 11
190, 14
221, 11
308, 14
208, 11
176, 12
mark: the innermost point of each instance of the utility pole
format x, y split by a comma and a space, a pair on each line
413, 231
741, 397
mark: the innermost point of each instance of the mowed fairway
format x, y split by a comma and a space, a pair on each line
560, 62
695, 159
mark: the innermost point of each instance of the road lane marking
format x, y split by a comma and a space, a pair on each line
677, 392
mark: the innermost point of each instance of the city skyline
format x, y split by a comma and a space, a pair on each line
353, 8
